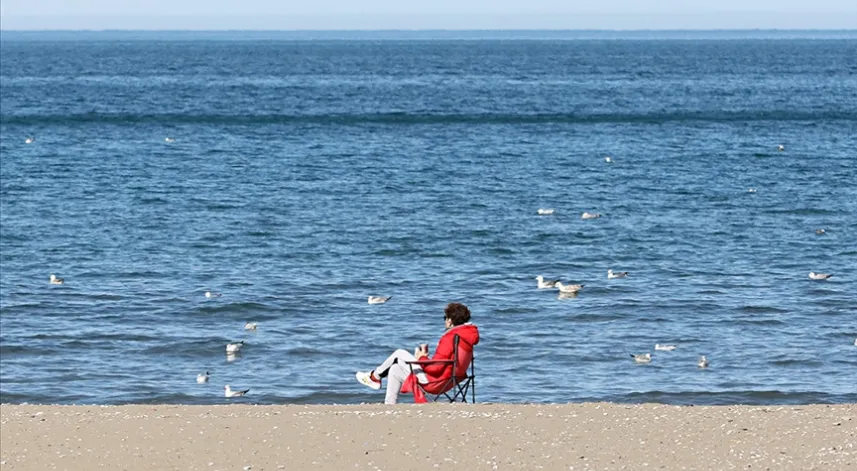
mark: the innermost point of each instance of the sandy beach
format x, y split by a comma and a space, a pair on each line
434, 436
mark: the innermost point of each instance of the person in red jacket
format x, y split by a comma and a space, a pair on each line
396, 370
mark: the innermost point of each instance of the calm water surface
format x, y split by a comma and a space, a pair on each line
308, 175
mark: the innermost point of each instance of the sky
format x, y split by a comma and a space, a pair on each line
426, 14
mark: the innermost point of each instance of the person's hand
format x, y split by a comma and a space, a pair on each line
419, 353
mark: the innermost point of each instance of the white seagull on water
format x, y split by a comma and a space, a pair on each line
545, 284
781, 147
611, 274
229, 392
378, 299
202, 377
590, 216
29, 140
545, 211
608, 160
820, 231
169, 139
568, 288
703, 362
642, 358
234, 347
665, 348
55, 280
819, 276
250, 326
209, 294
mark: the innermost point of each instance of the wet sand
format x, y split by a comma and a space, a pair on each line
430, 436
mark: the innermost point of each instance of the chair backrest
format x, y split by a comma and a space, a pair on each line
463, 357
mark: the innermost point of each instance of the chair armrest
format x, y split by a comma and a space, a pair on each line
423, 362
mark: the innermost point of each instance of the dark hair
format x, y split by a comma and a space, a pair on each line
457, 313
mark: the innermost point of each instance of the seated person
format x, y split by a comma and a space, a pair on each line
396, 370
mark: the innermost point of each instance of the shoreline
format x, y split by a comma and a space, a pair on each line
428, 436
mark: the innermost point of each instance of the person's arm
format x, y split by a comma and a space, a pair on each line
443, 352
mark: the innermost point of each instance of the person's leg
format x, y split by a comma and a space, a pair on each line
396, 376
398, 357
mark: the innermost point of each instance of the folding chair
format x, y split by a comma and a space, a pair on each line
459, 383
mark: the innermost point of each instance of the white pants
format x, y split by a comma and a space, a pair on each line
396, 371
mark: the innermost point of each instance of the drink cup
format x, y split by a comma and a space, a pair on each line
424, 347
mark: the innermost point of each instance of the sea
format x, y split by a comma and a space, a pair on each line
297, 174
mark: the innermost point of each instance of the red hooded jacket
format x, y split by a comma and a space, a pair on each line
438, 374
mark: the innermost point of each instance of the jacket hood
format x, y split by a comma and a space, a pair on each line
468, 333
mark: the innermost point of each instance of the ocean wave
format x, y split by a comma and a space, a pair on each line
746, 397
401, 118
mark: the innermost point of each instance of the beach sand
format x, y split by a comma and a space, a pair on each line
430, 436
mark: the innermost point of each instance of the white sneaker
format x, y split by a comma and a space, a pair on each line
365, 378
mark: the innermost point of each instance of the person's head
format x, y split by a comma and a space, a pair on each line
456, 314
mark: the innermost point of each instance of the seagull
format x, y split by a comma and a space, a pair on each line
202, 378
55, 280
209, 294
379, 299
665, 348
545, 284
781, 147
820, 231
250, 326
169, 139
29, 140
234, 347
568, 288
608, 160
643, 358
703, 362
228, 392
545, 212
590, 216
819, 276
611, 274
751, 190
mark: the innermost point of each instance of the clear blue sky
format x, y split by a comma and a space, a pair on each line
427, 14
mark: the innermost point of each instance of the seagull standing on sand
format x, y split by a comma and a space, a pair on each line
819, 276
545, 284
611, 274
229, 392
202, 377
55, 280
568, 289
545, 211
665, 348
643, 358
703, 362
250, 326
378, 299
590, 216
234, 347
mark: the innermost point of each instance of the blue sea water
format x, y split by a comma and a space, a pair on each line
307, 175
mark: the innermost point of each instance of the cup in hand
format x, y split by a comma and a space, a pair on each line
424, 347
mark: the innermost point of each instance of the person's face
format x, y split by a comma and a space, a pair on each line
447, 323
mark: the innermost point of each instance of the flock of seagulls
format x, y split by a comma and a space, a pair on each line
646, 358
